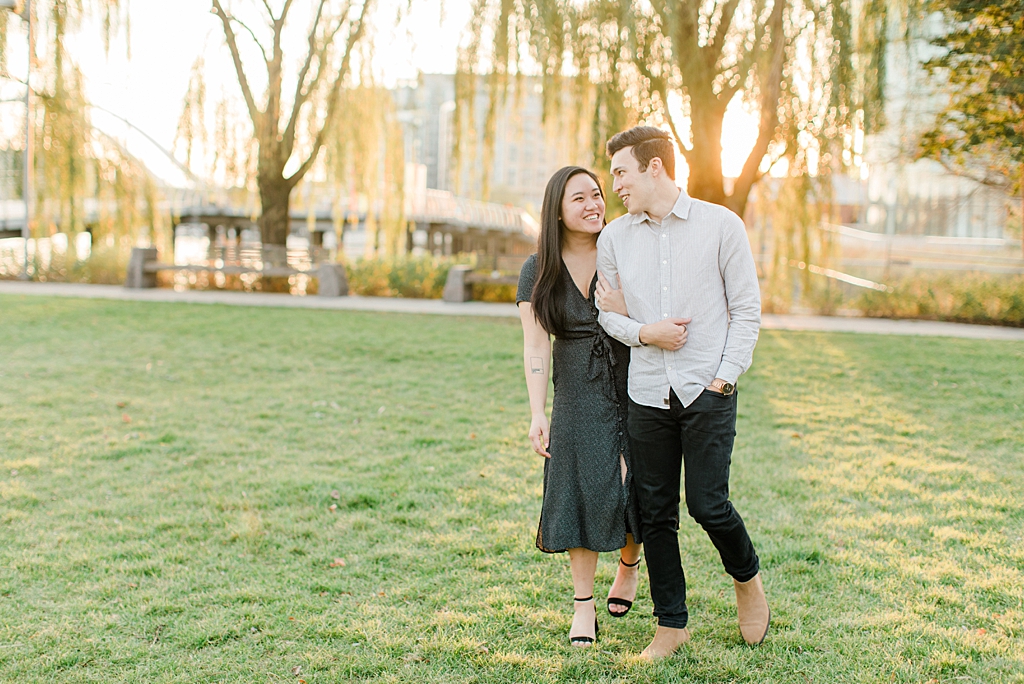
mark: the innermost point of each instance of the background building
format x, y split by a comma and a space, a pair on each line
526, 148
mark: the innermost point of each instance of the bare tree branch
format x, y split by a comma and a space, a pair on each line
275, 75
685, 42
229, 35
714, 50
771, 90
981, 176
254, 38
301, 93
321, 73
284, 11
746, 63
266, 3
660, 86
355, 33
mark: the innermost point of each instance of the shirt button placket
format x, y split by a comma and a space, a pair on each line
664, 272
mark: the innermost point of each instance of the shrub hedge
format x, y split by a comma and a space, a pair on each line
962, 298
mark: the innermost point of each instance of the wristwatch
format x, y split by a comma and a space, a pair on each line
726, 388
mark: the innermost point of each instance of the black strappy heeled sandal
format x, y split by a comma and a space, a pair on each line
613, 601
580, 641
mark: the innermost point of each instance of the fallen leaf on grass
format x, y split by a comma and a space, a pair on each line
297, 670
472, 435
122, 404
332, 507
338, 563
126, 418
335, 494
483, 649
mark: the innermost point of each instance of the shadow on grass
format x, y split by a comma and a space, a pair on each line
221, 494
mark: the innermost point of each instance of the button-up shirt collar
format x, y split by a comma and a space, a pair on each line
681, 209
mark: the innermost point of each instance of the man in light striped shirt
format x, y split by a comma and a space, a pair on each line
688, 279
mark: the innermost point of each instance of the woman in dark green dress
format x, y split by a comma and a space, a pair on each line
588, 506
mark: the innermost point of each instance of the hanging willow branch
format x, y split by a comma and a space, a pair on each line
73, 162
790, 61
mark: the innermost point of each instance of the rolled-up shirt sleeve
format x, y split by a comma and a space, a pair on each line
622, 328
743, 296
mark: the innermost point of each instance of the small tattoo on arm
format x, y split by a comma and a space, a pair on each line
536, 365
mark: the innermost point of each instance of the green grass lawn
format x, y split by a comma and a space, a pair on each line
177, 482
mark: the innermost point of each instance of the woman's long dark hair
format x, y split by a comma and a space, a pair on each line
548, 299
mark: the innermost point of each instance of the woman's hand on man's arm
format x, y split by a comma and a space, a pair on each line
608, 298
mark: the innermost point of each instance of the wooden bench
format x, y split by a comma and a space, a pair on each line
459, 285
143, 267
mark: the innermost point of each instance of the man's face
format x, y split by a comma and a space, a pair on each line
631, 185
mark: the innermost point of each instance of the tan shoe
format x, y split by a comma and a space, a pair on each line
752, 607
666, 641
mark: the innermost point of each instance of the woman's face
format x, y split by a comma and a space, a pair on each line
582, 205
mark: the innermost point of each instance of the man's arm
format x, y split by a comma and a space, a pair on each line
622, 328
743, 295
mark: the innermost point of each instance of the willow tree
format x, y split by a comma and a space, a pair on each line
75, 164
682, 62
290, 131
361, 167
364, 165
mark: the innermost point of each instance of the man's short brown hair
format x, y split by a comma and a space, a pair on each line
647, 142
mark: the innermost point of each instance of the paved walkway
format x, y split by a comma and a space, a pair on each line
880, 326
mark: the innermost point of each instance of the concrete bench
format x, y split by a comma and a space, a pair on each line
459, 285
143, 267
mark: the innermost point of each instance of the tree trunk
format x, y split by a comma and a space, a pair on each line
705, 156
275, 194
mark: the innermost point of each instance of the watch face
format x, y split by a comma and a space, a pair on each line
728, 388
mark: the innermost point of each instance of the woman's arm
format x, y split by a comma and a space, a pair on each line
537, 364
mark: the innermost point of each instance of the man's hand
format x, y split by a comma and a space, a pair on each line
668, 334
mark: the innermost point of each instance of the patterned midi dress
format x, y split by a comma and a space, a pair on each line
586, 504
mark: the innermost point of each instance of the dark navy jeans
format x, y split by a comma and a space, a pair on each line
695, 442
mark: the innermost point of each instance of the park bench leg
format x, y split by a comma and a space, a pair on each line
456, 289
138, 277
331, 280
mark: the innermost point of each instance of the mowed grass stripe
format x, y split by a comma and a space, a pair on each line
166, 480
